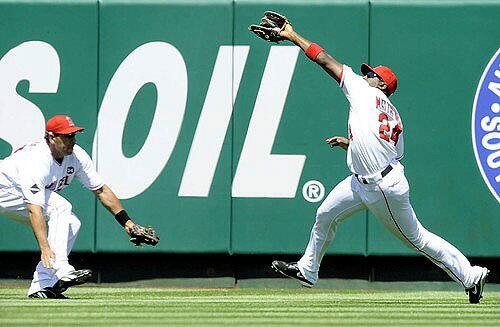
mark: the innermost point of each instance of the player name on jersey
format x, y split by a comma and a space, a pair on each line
386, 107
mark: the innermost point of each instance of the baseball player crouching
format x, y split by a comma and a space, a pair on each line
30, 180
374, 148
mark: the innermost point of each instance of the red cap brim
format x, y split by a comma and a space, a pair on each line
71, 130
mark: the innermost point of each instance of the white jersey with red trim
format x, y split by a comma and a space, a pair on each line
376, 141
31, 170
375, 127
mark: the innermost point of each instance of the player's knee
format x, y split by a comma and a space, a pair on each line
65, 207
423, 238
416, 240
75, 223
324, 216
320, 214
61, 208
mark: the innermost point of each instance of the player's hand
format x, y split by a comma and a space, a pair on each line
338, 141
287, 32
129, 226
48, 257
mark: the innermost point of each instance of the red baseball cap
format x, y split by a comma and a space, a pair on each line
385, 73
62, 124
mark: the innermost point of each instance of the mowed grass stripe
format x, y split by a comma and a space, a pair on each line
257, 322
300, 295
154, 307
187, 314
264, 309
346, 306
309, 321
489, 304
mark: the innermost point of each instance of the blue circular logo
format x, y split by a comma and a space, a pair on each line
486, 125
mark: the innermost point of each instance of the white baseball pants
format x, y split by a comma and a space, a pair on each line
389, 201
63, 228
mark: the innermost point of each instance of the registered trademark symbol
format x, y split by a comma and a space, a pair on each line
313, 191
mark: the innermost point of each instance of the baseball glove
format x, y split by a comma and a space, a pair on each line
270, 27
141, 235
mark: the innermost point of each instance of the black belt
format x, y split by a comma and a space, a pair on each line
384, 173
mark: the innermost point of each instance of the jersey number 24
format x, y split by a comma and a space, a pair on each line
385, 129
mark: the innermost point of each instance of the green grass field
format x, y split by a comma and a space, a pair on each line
98, 306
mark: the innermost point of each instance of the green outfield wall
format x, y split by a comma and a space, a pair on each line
216, 138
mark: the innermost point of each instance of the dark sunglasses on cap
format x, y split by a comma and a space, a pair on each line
67, 136
371, 74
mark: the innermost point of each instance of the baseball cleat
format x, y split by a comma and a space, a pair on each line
291, 270
47, 293
73, 278
476, 292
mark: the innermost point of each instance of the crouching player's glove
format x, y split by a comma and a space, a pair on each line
140, 235
270, 27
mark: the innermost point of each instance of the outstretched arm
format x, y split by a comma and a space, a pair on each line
114, 206
138, 234
314, 52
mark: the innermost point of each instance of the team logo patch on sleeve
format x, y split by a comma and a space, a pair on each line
486, 125
34, 189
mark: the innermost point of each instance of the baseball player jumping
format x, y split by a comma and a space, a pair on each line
378, 182
30, 180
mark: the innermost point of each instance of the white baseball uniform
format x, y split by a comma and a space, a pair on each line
379, 184
32, 176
